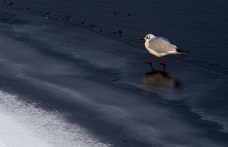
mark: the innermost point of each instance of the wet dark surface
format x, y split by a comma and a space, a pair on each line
83, 60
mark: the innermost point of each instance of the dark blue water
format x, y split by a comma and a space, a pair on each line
79, 65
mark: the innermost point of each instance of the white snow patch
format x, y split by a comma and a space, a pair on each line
24, 125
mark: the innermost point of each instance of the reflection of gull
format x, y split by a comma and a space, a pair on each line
159, 82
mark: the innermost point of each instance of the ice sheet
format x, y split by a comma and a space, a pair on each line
104, 84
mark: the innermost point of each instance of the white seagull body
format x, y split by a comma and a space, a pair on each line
160, 47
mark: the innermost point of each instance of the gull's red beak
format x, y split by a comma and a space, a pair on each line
142, 39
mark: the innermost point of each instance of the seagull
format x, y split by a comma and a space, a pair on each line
160, 47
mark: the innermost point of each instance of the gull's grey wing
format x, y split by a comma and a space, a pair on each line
161, 45
163, 38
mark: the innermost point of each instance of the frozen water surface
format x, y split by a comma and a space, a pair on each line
73, 74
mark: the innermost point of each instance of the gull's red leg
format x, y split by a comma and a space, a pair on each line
150, 60
151, 67
164, 68
164, 61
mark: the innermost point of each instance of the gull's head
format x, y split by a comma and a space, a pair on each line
148, 37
